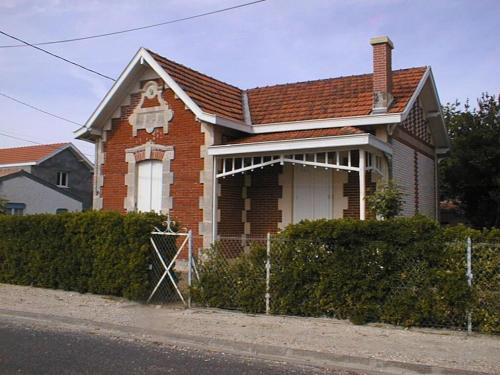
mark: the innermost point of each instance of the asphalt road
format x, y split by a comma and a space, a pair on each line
29, 350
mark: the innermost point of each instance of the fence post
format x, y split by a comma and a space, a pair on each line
268, 271
469, 281
190, 265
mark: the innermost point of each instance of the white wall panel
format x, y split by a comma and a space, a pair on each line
426, 186
403, 168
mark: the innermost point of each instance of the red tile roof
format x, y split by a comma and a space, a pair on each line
326, 98
298, 134
211, 95
28, 154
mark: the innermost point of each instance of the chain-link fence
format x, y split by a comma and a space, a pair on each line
484, 281
455, 285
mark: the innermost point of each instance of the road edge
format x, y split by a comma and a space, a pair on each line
258, 351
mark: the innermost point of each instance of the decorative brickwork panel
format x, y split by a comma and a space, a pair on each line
351, 191
231, 205
184, 134
416, 124
264, 193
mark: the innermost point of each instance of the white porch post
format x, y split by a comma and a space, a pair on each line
214, 200
362, 186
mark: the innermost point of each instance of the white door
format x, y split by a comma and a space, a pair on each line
149, 186
312, 197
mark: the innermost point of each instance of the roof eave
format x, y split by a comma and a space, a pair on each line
27, 164
351, 140
337, 122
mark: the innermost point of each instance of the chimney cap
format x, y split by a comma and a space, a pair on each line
382, 40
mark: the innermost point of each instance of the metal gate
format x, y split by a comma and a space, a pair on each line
168, 245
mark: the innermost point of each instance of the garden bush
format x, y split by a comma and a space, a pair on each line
232, 283
395, 271
404, 271
96, 252
485, 290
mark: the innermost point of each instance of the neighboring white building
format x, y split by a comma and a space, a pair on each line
28, 194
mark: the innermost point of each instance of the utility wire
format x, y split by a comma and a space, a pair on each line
34, 142
39, 109
137, 28
56, 56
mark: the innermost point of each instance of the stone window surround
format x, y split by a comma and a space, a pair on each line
148, 151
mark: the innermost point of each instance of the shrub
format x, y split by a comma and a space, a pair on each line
97, 252
237, 283
405, 271
3, 203
387, 201
393, 271
485, 291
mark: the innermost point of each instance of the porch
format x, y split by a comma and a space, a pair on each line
264, 186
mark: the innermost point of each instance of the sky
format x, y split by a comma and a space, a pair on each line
276, 41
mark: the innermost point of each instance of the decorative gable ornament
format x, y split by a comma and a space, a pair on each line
151, 118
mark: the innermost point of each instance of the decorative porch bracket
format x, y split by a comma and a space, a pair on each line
339, 160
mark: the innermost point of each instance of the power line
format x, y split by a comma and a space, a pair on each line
39, 109
137, 28
57, 56
34, 142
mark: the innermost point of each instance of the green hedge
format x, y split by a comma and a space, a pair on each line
485, 291
405, 271
97, 252
237, 283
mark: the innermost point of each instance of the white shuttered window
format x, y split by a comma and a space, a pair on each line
312, 198
149, 186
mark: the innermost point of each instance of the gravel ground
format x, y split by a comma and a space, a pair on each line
430, 347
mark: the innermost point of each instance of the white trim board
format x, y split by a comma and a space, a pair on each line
18, 164
354, 140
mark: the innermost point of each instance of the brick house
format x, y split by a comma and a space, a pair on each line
231, 162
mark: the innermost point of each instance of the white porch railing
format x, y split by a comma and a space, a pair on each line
339, 160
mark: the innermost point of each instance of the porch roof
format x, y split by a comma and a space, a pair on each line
297, 134
308, 140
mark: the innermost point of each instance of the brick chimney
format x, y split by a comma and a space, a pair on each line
382, 73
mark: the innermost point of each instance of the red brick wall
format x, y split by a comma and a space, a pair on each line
382, 68
186, 137
351, 191
231, 205
264, 193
